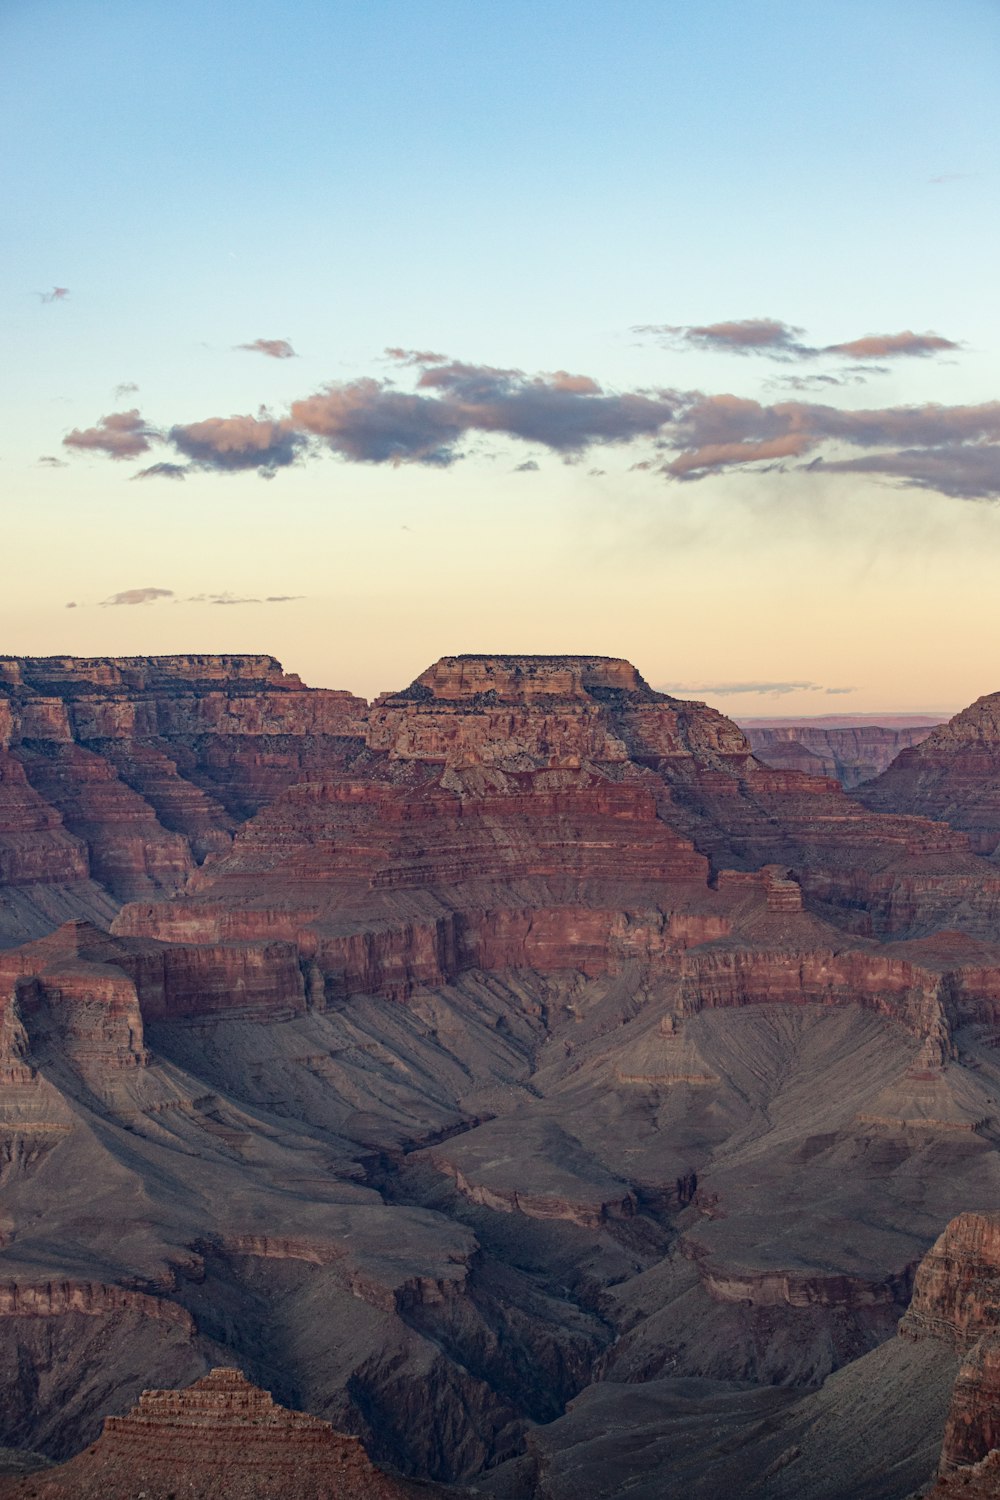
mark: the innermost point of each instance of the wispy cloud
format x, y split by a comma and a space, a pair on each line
905, 345
163, 471
273, 348
733, 689
49, 461
127, 388
776, 340
768, 336
156, 596
228, 599
123, 434
57, 294
416, 356
137, 596
966, 471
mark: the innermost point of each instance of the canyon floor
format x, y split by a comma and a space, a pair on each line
515, 1073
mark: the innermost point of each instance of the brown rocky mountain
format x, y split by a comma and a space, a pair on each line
852, 754
510, 1066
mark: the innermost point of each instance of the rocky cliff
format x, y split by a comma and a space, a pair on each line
118, 776
953, 776
956, 1299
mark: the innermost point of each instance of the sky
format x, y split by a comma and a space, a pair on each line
363, 332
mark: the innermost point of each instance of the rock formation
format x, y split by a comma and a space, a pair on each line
852, 755
130, 771
219, 1439
953, 776
477, 1059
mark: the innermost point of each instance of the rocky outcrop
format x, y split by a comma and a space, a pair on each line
953, 776
221, 1437
956, 1299
851, 755
57, 1299
973, 1427
956, 1293
87, 996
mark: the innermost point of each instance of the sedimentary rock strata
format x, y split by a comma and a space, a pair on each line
221, 1437
952, 776
852, 755
131, 771
519, 1041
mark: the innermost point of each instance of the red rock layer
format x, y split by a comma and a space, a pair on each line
151, 762
953, 775
35, 845
221, 1437
131, 853
54, 1299
89, 995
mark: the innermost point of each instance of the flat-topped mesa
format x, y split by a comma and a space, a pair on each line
525, 679
220, 1437
63, 676
547, 710
66, 698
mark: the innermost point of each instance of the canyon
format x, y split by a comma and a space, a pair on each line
515, 1074
850, 753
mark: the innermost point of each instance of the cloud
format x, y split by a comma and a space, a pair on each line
964, 471
781, 341
416, 356
153, 596
127, 388
528, 467
229, 599
273, 348
720, 432
163, 471
840, 690
729, 689
57, 294
49, 461
123, 434
453, 405
906, 345
241, 442
71, 604
138, 596
766, 336
369, 421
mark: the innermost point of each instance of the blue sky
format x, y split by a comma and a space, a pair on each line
517, 186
